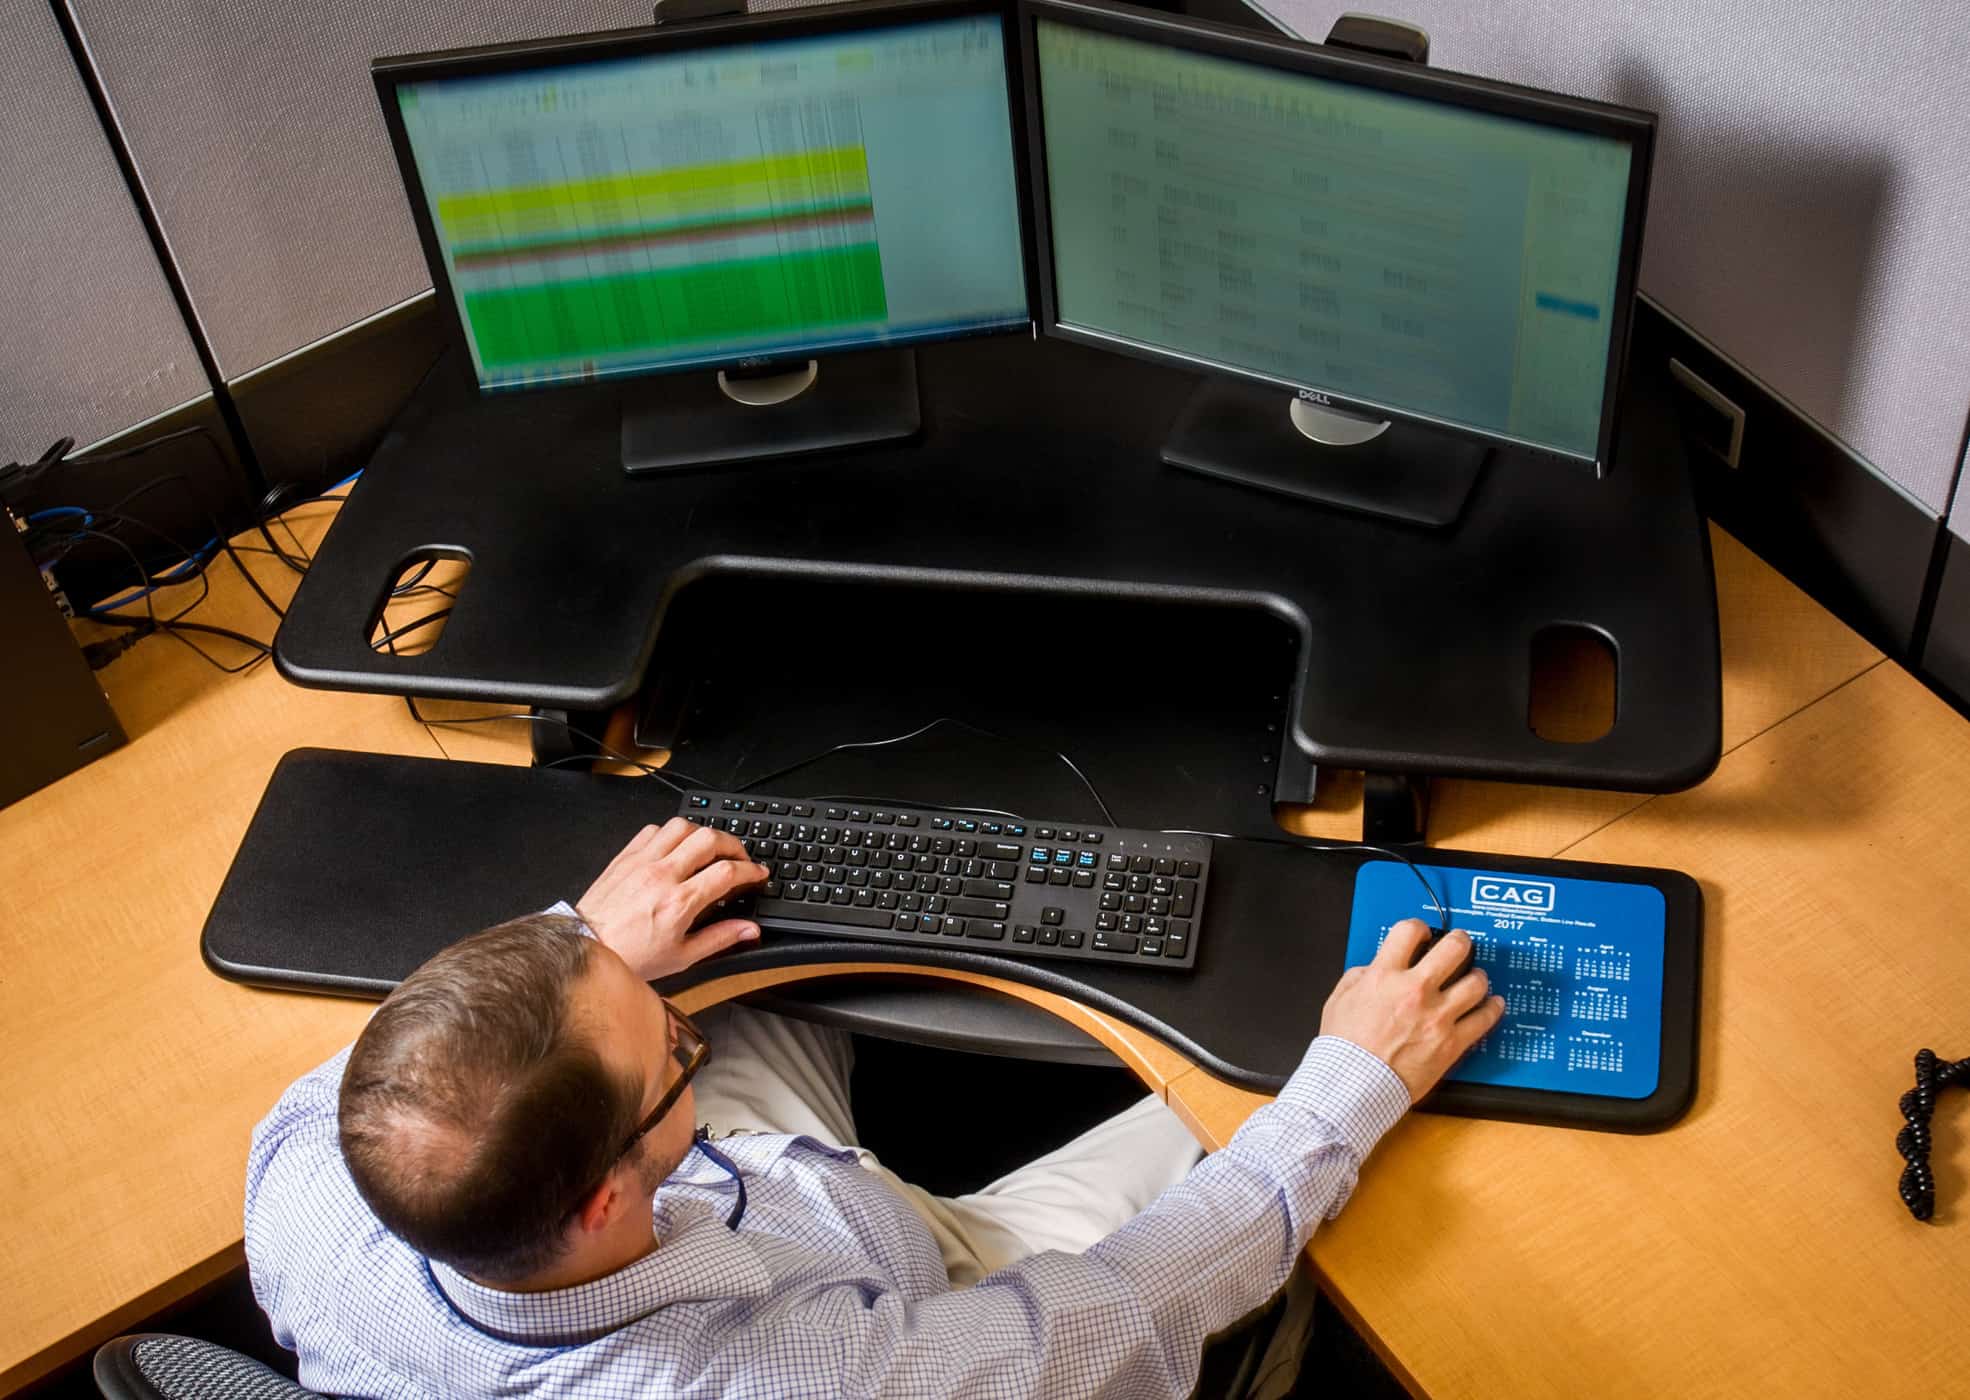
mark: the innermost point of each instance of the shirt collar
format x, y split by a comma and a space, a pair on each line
697, 1260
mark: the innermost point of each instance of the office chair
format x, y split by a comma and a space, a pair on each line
159, 1366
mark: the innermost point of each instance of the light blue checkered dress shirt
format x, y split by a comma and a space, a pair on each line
831, 1286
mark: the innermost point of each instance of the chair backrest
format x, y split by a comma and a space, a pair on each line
159, 1366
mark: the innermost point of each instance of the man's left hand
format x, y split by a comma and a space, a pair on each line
644, 904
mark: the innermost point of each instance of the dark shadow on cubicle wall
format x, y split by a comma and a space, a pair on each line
1810, 213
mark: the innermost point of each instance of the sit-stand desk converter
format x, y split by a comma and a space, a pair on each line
1036, 484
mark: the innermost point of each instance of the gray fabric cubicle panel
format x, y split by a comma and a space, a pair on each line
93, 341
1809, 208
255, 127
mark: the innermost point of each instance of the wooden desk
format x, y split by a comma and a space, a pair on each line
1755, 1248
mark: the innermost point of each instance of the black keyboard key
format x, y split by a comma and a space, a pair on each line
985, 908
840, 894
999, 850
1036, 875
987, 889
1071, 937
771, 889
953, 927
907, 819
1140, 864
1083, 879
1117, 861
828, 914
802, 809
1001, 870
1049, 936
1184, 905
1022, 933
986, 928
1057, 876
1114, 942
1051, 915
1189, 869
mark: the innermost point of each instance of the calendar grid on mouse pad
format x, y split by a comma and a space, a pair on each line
1579, 963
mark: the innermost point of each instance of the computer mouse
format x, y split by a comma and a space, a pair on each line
1436, 937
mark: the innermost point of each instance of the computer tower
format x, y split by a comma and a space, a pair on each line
53, 716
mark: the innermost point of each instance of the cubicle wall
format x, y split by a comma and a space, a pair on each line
1803, 251
92, 342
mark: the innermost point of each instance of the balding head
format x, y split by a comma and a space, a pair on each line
476, 1111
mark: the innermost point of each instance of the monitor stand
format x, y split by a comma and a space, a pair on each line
734, 416
1277, 442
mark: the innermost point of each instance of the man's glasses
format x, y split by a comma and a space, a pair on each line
689, 1050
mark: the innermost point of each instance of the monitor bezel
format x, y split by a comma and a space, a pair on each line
1389, 75
723, 31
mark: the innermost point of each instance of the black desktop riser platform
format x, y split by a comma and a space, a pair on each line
1038, 480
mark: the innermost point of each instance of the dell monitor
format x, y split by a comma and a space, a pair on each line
1384, 269
737, 203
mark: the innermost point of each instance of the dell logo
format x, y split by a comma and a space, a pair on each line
1497, 895
1315, 396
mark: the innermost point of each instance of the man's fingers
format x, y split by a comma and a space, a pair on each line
1467, 991
716, 938
662, 840
1398, 950
719, 880
700, 849
1478, 1023
1442, 960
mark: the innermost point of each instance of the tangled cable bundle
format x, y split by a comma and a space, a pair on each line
1918, 1105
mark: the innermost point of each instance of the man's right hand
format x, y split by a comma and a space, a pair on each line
1405, 1016
662, 883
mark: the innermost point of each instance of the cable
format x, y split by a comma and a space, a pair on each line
1918, 1183
173, 626
602, 749
388, 637
1074, 768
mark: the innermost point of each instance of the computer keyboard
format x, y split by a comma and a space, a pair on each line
921, 875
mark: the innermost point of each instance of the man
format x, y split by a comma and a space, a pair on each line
497, 1190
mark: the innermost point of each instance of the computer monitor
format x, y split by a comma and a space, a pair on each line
1426, 264
738, 197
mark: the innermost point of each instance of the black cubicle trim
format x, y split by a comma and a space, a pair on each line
430, 850
1946, 653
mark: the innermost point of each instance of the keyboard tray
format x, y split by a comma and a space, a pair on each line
359, 866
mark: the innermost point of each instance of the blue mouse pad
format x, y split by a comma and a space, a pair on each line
1579, 963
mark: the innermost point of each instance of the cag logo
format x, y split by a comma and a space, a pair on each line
1496, 895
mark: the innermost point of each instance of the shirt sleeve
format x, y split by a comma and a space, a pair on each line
1130, 1316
